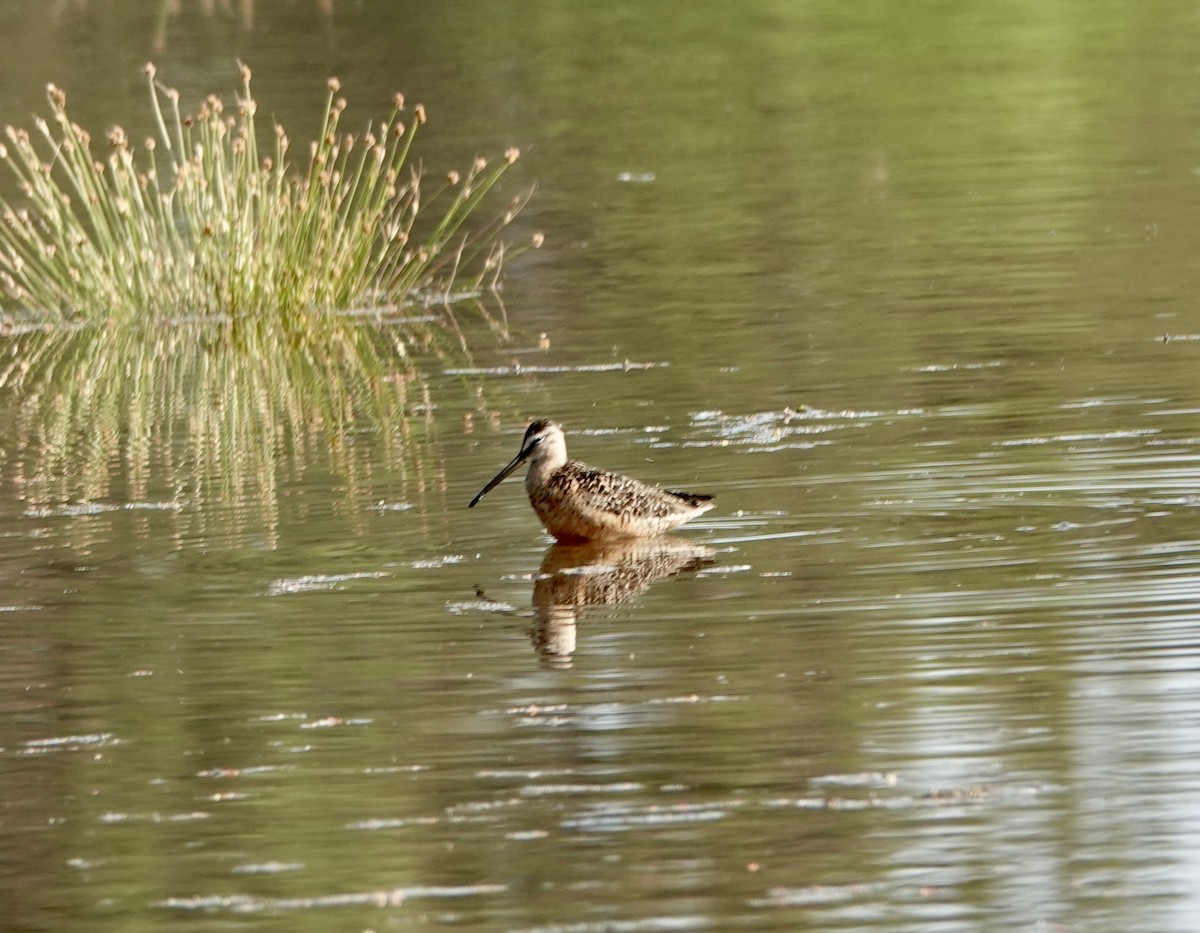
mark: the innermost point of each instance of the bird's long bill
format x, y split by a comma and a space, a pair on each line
499, 478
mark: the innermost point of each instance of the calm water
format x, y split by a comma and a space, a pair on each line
911, 291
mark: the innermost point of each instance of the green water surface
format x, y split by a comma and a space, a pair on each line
910, 288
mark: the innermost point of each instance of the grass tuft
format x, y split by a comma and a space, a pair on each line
200, 222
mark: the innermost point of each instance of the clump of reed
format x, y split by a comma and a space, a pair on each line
198, 314
197, 222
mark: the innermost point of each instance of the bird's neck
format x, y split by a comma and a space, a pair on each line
542, 469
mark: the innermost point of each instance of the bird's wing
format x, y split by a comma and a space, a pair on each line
601, 491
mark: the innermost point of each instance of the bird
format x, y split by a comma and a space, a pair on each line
578, 503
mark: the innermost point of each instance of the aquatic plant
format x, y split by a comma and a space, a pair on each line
190, 321
198, 223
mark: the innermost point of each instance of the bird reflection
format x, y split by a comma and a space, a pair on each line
599, 573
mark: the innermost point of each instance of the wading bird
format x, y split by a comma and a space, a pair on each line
576, 502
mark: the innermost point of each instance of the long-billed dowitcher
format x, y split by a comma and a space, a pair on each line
576, 502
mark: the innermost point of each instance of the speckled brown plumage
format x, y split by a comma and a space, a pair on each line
577, 502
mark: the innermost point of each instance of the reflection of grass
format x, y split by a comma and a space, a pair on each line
194, 414
198, 223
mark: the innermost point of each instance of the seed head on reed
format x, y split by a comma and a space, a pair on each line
198, 222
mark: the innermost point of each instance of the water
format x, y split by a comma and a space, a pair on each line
909, 290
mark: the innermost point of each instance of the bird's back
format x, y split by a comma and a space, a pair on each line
579, 502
